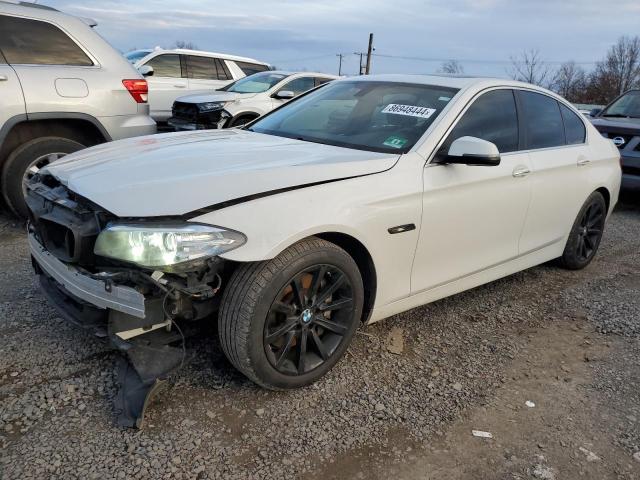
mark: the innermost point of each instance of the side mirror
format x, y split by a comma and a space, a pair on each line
472, 151
595, 112
146, 70
284, 95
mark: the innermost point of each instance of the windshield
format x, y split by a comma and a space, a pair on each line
375, 116
256, 83
136, 55
627, 105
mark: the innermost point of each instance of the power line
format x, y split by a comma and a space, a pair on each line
486, 61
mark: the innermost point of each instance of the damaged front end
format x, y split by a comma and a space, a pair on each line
144, 311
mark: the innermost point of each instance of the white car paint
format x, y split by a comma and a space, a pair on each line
474, 224
163, 90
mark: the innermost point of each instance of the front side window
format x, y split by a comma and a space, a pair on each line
573, 127
167, 65
375, 116
627, 106
492, 117
32, 42
257, 83
542, 120
299, 85
251, 68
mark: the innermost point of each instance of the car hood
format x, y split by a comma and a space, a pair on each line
178, 173
214, 97
623, 123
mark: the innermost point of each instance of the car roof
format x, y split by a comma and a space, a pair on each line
290, 73
43, 12
453, 81
224, 56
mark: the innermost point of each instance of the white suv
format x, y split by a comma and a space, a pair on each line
62, 87
243, 101
172, 73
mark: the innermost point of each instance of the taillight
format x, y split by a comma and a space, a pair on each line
138, 89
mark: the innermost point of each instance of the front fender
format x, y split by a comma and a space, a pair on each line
363, 208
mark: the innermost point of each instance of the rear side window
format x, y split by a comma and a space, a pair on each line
542, 120
205, 68
573, 127
491, 117
167, 65
322, 80
299, 85
251, 68
32, 42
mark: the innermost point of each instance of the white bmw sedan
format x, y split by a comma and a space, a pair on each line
363, 199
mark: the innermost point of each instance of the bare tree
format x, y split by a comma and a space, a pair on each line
529, 67
452, 67
570, 81
619, 71
185, 44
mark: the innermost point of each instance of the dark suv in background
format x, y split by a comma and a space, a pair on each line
620, 121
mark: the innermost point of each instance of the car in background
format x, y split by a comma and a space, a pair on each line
620, 122
243, 101
62, 88
357, 201
174, 73
586, 109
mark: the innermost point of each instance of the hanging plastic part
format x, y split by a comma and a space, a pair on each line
142, 375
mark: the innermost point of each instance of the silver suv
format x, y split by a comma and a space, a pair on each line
62, 88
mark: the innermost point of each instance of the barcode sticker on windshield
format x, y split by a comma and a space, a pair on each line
409, 110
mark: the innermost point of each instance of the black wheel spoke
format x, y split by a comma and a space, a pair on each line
329, 325
298, 293
282, 354
282, 307
302, 351
331, 288
317, 280
594, 220
319, 345
336, 305
289, 325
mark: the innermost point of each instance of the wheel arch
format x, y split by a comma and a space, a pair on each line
607, 196
365, 264
81, 128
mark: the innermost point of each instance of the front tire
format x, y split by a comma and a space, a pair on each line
285, 322
586, 233
25, 161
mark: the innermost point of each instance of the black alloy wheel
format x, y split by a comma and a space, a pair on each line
586, 233
308, 320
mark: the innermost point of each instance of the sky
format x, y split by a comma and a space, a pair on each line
410, 36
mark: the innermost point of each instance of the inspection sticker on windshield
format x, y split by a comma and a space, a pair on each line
395, 142
409, 110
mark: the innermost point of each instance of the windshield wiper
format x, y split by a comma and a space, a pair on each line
617, 115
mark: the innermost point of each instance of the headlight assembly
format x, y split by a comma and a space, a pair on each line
165, 246
210, 106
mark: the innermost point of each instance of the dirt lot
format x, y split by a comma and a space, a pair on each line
566, 341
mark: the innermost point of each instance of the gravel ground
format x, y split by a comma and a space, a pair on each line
376, 411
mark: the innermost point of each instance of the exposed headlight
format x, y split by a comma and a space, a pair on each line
210, 106
163, 246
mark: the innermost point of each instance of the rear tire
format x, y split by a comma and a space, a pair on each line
277, 324
586, 233
25, 161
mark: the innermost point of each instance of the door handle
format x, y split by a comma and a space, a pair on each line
180, 85
521, 172
583, 161
3, 78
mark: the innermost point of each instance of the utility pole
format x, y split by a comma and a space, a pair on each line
339, 55
360, 68
369, 50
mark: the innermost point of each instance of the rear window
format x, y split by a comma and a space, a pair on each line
573, 127
542, 119
251, 68
32, 42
